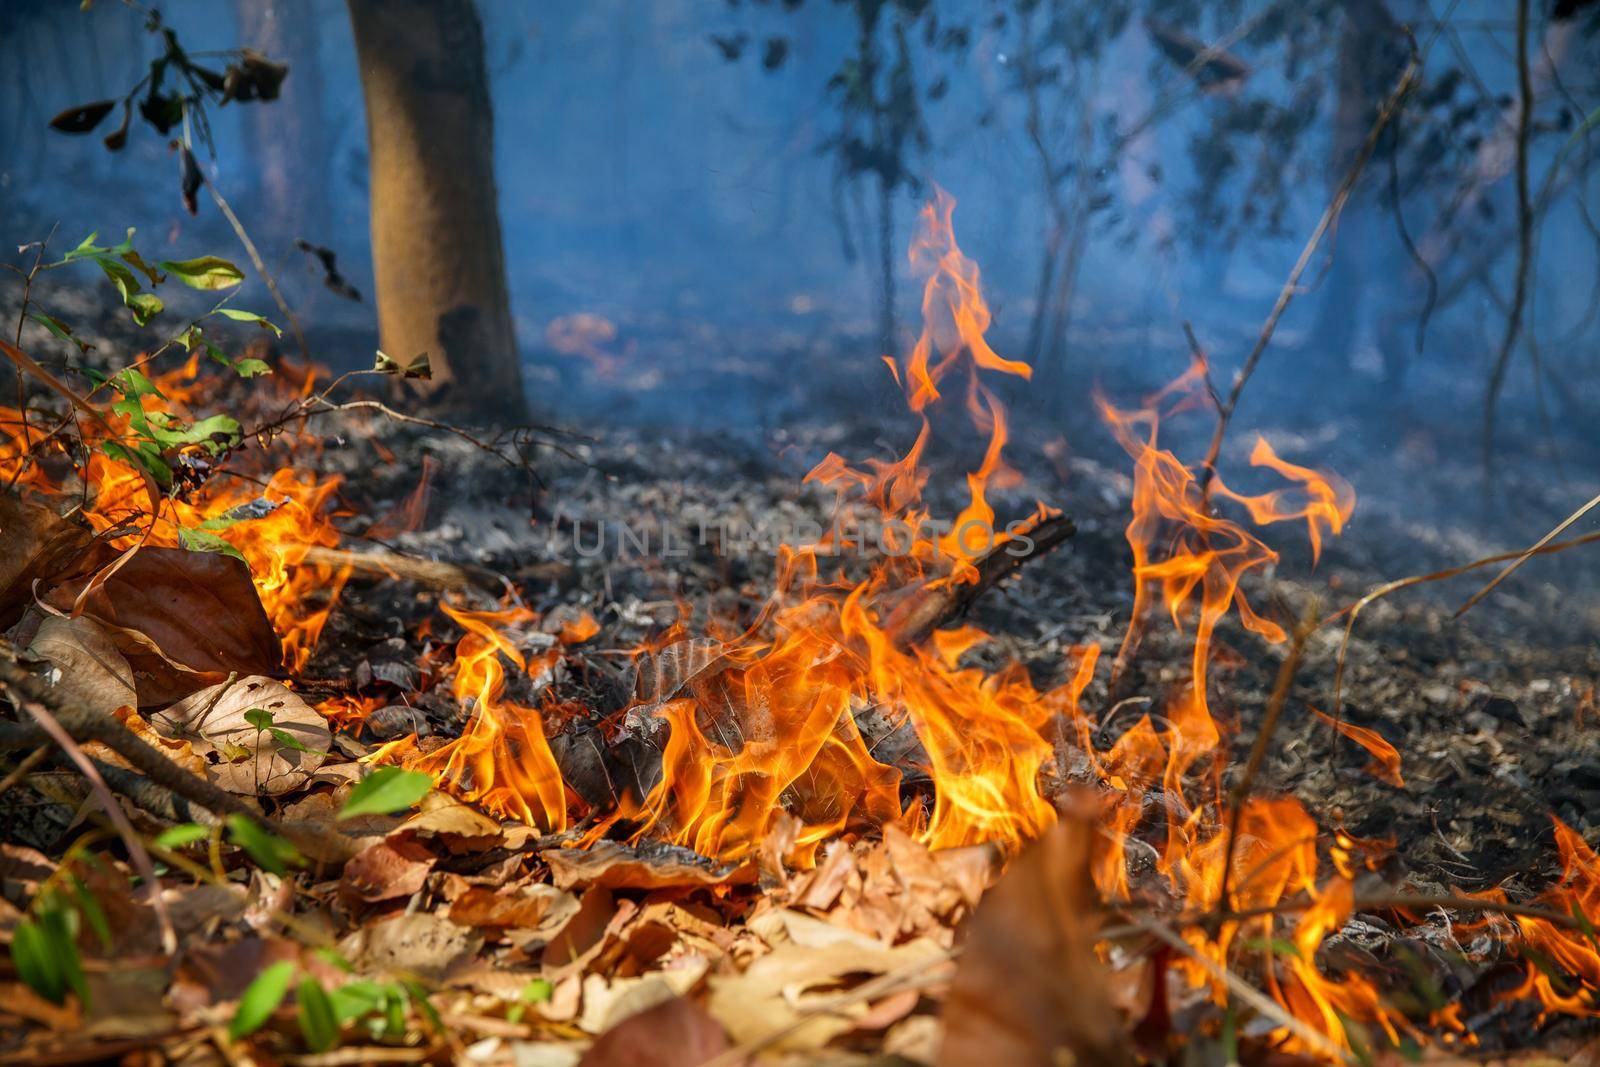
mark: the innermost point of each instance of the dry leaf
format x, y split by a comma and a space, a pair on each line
534, 907
1029, 989
655, 865
772, 995
420, 943
676, 1032
395, 867
176, 613
214, 721
462, 828
37, 545
89, 672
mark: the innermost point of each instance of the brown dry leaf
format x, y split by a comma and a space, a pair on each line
178, 751
673, 1033
421, 943
656, 865
460, 827
170, 610
397, 866
778, 993
213, 721
37, 545
607, 1002
536, 907
1029, 989
88, 670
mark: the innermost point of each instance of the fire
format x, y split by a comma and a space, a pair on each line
273, 520
789, 725
501, 760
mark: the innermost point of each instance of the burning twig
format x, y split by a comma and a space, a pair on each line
435, 574
1258, 753
1251, 995
924, 611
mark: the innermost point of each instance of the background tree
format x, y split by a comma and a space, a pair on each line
438, 262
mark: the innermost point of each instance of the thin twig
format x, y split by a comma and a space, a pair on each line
23, 769
261, 267
1291, 285
1528, 554
113, 810
1251, 995
1240, 793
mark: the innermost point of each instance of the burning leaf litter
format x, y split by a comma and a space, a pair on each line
748, 819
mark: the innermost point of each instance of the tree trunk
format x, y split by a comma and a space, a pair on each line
436, 251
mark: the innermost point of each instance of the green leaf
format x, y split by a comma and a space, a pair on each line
260, 718
86, 248
333, 959
59, 328
35, 962
145, 306
136, 261
207, 272
186, 833
537, 991
250, 368
145, 455
354, 999
206, 541
419, 997
92, 913
385, 790
60, 928
271, 852
249, 316
318, 1022
133, 383
288, 740
261, 999
421, 367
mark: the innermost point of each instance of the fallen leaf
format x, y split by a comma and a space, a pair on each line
218, 716
533, 907
461, 827
655, 865
176, 614
88, 670
1029, 989
395, 867
37, 545
777, 995
420, 943
676, 1032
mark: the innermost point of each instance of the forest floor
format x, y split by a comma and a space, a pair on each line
526, 952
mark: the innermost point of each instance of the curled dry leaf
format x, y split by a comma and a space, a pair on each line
655, 865
1029, 989
791, 996
532, 907
395, 867
37, 545
89, 671
250, 760
176, 614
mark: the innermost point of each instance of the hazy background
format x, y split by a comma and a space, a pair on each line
683, 197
